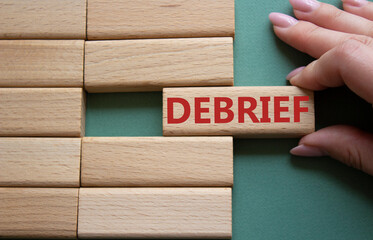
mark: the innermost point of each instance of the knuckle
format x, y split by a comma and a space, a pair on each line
348, 49
367, 41
370, 30
308, 37
354, 158
336, 14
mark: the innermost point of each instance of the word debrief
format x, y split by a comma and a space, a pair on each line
238, 111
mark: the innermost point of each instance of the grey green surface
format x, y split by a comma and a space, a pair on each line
275, 196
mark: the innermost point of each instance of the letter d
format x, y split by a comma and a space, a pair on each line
170, 110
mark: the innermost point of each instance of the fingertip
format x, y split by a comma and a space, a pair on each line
282, 20
294, 73
362, 8
307, 151
354, 3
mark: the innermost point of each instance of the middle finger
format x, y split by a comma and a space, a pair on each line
310, 38
330, 17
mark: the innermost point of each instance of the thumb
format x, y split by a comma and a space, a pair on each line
347, 144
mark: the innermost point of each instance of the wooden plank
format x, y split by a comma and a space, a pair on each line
43, 162
38, 212
155, 213
157, 161
41, 63
42, 112
42, 19
284, 111
124, 19
150, 65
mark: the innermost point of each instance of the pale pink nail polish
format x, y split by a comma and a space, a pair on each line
307, 151
356, 3
282, 20
304, 5
294, 73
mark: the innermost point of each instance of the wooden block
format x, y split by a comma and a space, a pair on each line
42, 19
41, 63
38, 212
155, 213
150, 65
43, 162
284, 111
124, 19
42, 112
157, 161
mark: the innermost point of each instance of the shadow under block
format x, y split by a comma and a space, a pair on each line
155, 213
157, 161
150, 65
40, 162
42, 112
282, 111
42, 19
124, 19
41, 63
38, 212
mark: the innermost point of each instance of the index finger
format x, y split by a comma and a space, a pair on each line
349, 63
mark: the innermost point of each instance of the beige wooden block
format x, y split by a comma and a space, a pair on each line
43, 162
157, 161
283, 111
150, 65
42, 19
155, 213
42, 112
124, 19
38, 212
41, 63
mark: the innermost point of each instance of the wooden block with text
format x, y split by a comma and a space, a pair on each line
157, 161
42, 112
42, 19
38, 212
41, 63
40, 162
150, 65
155, 213
283, 111
124, 19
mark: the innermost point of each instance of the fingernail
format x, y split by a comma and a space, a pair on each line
307, 151
305, 5
294, 73
282, 20
355, 3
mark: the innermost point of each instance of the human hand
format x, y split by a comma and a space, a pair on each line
342, 42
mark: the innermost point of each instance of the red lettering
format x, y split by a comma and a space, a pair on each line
242, 110
265, 118
218, 109
199, 110
279, 109
170, 110
297, 108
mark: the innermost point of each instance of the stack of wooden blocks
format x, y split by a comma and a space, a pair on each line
57, 183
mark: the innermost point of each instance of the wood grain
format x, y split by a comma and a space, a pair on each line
248, 127
42, 112
157, 161
41, 63
124, 19
150, 65
155, 213
42, 19
43, 162
38, 212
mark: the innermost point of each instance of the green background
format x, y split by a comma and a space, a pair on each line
275, 195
